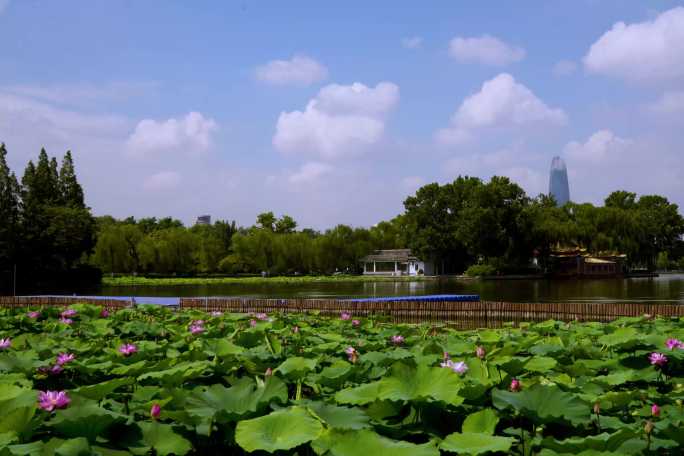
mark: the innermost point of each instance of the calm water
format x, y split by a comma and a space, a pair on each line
666, 288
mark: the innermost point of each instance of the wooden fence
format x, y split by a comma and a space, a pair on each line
470, 314
60, 301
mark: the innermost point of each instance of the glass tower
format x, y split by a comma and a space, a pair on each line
558, 181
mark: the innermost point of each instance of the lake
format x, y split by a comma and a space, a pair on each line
668, 288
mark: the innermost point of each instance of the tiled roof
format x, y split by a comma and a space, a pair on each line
390, 255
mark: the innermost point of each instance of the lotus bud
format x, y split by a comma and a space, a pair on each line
597, 408
480, 352
155, 411
648, 427
655, 410
269, 372
515, 385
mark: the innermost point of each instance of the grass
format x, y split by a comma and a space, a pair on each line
126, 281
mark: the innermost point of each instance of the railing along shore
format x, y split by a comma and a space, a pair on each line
462, 314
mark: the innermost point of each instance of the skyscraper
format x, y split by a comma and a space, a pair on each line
558, 181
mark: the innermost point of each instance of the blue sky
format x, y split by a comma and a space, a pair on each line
335, 112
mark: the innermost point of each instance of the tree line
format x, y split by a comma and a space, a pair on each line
49, 234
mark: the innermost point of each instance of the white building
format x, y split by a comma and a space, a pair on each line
395, 263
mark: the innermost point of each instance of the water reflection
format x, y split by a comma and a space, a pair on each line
666, 288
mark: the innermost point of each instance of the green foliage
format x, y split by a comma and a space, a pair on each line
216, 396
479, 270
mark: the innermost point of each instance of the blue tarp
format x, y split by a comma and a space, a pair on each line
452, 298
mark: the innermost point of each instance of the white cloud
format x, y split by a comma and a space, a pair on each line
192, 133
162, 181
310, 172
414, 42
501, 102
669, 103
19, 112
81, 93
341, 120
644, 51
299, 70
564, 68
600, 147
486, 49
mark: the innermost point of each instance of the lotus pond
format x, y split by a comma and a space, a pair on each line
80, 381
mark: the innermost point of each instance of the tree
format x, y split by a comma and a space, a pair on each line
71, 190
285, 225
10, 211
266, 220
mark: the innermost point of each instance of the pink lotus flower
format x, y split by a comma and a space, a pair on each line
345, 316
51, 400
352, 354
655, 410
515, 385
64, 358
68, 313
674, 343
155, 411
104, 313
216, 313
480, 352
356, 322
33, 314
52, 370
196, 329
66, 321
128, 349
5, 343
658, 359
252, 323
261, 316
459, 367
397, 340
445, 356
268, 373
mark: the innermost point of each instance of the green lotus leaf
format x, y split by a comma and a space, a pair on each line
367, 442
423, 383
101, 390
601, 442
163, 439
84, 418
73, 447
363, 394
623, 337
177, 374
540, 364
482, 422
340, 417
17, 419
297, 366
543, 404
475, 443
27, 449
279, 430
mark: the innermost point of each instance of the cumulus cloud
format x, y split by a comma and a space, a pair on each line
192, 132
601, 146
486, 50
669, 103
414, 42
644, 51
564, 68
341, 120
501, 102
310, 172
162, 181
299, 70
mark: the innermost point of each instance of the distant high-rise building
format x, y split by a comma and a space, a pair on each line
558, 181
203, 220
